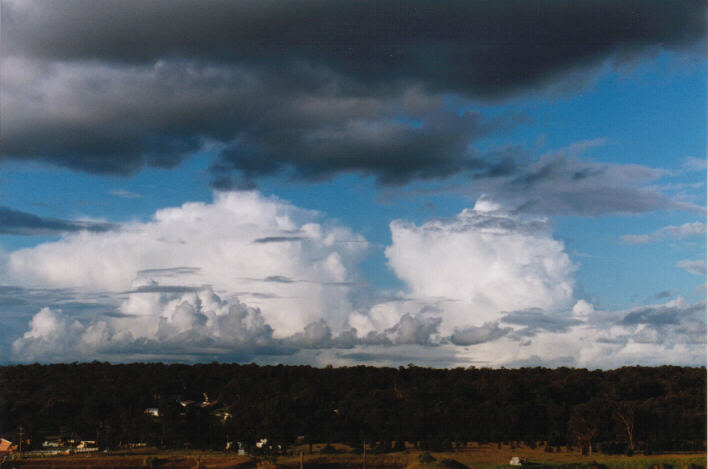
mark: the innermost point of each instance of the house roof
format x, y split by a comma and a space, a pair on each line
6, 445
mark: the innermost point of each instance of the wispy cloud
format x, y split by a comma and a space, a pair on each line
694, 267
16, 222
671, 232
278, 239
124, 194
694, 164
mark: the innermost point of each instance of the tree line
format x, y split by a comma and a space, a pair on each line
624, 410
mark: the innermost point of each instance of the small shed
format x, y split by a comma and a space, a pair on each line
517, 461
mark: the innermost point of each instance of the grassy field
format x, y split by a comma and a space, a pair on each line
473, 456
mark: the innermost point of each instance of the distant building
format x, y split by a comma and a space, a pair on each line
53, 442
517, 461
261, 443
152, 411
222, 415
206, 402
241, 449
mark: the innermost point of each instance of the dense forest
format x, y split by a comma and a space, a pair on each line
203, 406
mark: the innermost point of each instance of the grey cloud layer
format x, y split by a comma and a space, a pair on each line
535, 320
566, 185
188, 324
16, 222
483, 47
478, 335
309, 89
670, 323
193, 327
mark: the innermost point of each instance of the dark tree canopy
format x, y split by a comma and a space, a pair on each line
628, 409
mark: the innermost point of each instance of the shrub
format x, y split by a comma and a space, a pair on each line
426, 457
328, 449
453, 464
380, 449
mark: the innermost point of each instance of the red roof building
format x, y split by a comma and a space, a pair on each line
6, 447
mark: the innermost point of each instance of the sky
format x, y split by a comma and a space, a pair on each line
492, 183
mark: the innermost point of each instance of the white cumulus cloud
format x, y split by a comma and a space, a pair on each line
238, 244
477, 265
170, 326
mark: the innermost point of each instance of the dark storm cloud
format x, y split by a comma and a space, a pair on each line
15, 222
310, 89
487, 47
434, 145
301, 121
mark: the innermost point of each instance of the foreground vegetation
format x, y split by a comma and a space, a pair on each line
487, 456
633, 410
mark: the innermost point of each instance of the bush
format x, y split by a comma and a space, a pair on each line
151, 461
328, 449
380, 449
453, 464
426, 457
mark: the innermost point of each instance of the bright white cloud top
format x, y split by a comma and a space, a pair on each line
248, 277
482, 262
266, 251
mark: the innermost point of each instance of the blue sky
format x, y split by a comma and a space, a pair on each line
445, 205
